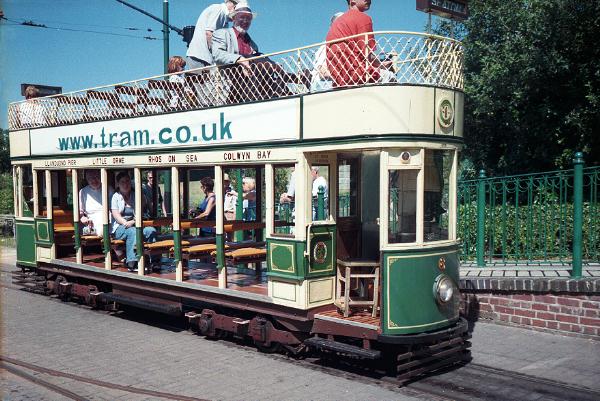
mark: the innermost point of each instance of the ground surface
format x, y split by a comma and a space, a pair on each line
141, 358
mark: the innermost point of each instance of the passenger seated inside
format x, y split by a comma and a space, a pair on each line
249, 198
147, 190
207, 209
123, 213
91, 204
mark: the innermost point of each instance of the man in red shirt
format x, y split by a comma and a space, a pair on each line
352, 62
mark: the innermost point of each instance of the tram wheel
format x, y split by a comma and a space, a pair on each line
272, 348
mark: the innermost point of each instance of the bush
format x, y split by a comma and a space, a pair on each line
6, 194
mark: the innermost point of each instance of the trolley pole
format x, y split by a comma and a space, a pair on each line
577, 214
166, 34
481, 219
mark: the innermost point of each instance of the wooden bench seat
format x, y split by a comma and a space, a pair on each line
244, 255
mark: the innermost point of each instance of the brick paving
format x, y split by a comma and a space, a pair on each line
73, 339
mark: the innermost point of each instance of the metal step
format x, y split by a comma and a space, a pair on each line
173, 310
342, 348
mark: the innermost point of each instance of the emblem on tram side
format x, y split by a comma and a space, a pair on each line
442, 264
320, 252
445, 113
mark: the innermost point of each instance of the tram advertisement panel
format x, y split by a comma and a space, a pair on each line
231, 125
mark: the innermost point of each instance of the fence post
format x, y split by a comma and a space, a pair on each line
577, 214
320, 215
481, 219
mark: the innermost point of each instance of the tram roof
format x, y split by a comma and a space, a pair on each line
414, 59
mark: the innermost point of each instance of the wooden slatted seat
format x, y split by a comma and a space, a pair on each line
244, 255
165, 244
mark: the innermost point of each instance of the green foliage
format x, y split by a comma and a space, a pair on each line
540, 231
4, 152
6, 194
532, 83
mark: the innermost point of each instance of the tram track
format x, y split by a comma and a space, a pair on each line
9, 364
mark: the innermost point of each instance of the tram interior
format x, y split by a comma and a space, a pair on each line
355, 189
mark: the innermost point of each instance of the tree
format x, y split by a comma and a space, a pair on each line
532, 83
4, 152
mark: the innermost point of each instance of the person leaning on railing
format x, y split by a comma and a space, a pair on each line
182, 95
320, 76
353, 61
31, 113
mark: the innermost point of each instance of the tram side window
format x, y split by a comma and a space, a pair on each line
156, 188
27, 195
438, 164
348, 193
285, 193
320, 180
41, 191
403, 206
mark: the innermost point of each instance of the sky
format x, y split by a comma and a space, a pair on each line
80, 60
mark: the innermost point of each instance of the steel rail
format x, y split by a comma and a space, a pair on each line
37, 380
129, 389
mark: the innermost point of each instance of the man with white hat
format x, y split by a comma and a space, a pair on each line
234, 45
214, 17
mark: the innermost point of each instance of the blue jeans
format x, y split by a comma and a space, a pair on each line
129, 235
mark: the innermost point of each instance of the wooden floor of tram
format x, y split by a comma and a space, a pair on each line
238, 278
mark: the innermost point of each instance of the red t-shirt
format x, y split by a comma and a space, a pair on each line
243, 44
347, 60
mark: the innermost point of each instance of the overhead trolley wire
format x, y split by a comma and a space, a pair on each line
36, 25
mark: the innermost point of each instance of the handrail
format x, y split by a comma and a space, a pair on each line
408, 58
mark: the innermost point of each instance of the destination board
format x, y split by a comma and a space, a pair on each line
453, 9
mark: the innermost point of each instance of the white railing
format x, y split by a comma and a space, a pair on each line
390, 58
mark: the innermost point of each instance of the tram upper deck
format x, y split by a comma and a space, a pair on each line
422, 78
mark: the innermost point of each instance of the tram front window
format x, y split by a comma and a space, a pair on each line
27, 195
285, 195
403, 206
438, 164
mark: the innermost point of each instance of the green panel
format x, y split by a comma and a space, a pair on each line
409, 304
220, 242
285, 258
25, 237
322, 255
177, 245
44, 230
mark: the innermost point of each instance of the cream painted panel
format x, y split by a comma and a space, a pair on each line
19, 143
285, 291
377, 110
45, 254
320, 290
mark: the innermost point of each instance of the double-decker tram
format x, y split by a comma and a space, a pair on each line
258, 204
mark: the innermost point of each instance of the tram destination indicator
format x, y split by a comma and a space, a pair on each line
453, 9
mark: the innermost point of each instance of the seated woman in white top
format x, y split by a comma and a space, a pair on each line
91, 205
123, 212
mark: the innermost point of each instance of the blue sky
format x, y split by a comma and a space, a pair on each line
78, 60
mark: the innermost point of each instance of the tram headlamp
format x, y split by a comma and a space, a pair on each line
443, 289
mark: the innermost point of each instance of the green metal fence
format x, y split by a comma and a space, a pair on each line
545, 218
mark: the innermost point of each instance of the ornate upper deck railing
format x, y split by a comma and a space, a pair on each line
389, 58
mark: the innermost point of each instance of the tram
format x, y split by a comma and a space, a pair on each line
365, 265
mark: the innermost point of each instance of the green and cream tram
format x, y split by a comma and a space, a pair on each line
365, 264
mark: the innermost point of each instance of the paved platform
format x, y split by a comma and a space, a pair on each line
471, 270
68, 338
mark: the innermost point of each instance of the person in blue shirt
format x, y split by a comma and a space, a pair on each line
207, 208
